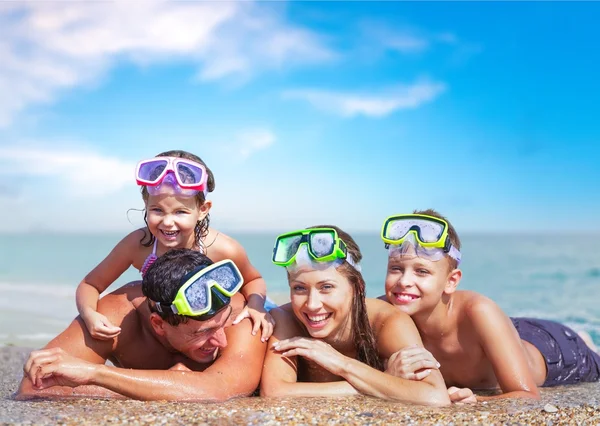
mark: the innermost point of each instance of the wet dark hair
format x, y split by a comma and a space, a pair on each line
163, 279
362, 333
201, 229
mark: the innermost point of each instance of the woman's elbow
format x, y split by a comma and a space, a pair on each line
272, 390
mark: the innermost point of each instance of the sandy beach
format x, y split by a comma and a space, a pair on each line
563, 405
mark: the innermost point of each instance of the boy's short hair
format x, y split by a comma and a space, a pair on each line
163, 278
451, 233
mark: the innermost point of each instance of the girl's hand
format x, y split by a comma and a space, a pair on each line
99, 326
461, 396
315, 350
260, 319
412, 363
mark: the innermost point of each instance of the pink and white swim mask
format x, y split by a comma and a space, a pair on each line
184, 177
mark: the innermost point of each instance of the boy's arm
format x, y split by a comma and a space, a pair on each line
280, 374
502, 345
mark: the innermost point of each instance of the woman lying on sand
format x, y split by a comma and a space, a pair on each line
330, 340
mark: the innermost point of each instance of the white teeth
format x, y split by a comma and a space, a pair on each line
406, 297
317, 318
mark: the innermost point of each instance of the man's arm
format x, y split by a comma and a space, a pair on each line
75, 340
502, 345
236, 372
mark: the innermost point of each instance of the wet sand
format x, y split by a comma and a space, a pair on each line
563, 405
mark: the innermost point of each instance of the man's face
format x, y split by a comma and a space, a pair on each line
199, 340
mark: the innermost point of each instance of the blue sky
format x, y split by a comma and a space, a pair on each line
307, 112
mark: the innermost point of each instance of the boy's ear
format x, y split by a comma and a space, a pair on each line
452, 281
158, 324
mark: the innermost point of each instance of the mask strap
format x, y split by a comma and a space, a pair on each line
303, 258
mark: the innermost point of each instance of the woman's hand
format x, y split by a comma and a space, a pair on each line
412, 363
315, 350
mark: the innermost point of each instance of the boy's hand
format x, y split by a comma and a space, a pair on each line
412, 363
461, 396
260, 318
99, 326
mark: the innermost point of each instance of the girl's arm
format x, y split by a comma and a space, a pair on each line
254, 289
502, 345
99, 279
280, 375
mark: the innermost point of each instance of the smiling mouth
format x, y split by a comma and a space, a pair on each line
317, 321
404, 298
170, 234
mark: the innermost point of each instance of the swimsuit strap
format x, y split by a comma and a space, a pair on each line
150, 259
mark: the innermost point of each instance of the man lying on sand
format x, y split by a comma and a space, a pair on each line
191, 355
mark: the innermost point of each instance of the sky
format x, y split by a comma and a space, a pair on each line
306, 112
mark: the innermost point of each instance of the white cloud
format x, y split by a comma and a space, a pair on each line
46, 47
80, 173
378, 104
403, 38
253, 140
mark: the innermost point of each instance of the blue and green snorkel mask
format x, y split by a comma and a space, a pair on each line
205, 291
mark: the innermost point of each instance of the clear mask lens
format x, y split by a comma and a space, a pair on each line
428, 231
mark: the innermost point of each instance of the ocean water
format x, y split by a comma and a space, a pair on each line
534, 275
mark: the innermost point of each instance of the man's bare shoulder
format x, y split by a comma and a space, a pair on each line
119, 303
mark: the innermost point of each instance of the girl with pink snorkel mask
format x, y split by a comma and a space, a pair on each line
174, 185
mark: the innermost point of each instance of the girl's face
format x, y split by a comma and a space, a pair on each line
322, 301
172, 219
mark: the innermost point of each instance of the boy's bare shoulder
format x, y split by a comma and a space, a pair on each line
474, 306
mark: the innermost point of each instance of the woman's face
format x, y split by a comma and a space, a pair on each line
322, 301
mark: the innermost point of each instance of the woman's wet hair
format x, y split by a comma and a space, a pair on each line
362, 333
201, 229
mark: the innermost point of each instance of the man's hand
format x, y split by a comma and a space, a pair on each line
411, 363
54, 367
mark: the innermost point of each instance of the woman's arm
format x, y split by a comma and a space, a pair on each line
280, 373
395, 331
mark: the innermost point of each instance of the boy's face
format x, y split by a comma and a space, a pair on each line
414, 284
